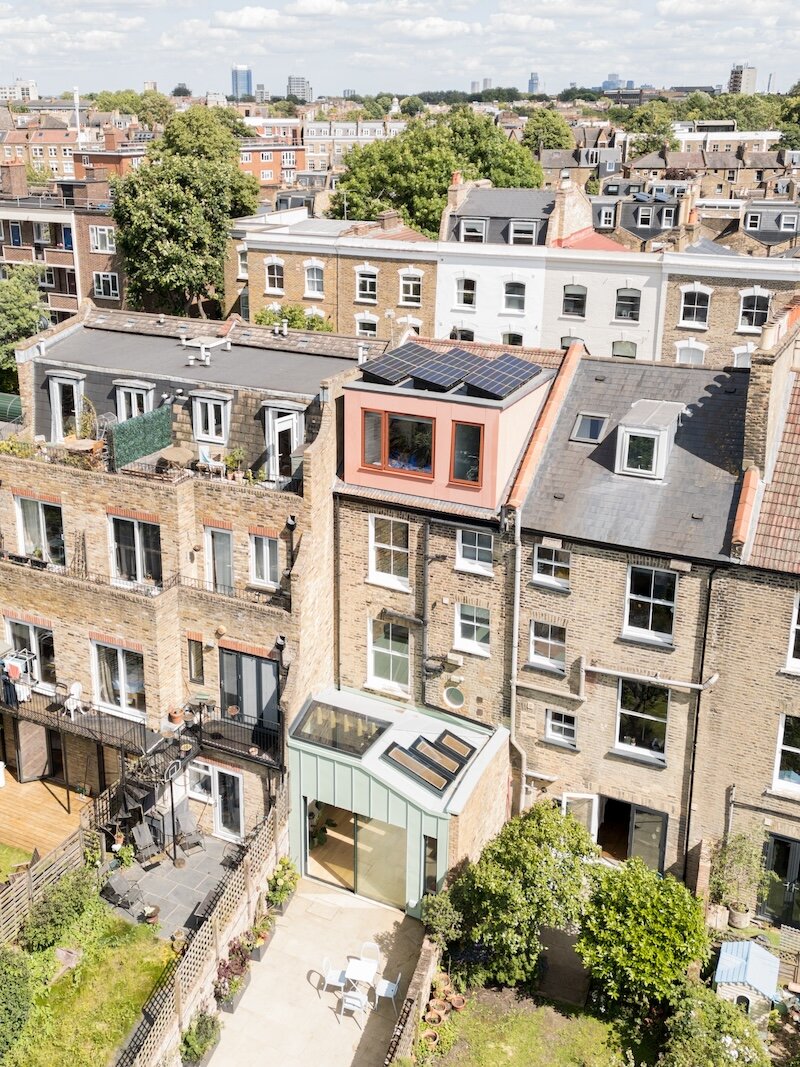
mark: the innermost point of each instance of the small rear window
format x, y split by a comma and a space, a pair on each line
589, 427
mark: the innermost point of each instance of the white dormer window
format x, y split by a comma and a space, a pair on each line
752, 220
134, 398
645, 216
789, 223
523, 231
668, 217
606, 218
691, 353
645, 436
473, 231
211, 416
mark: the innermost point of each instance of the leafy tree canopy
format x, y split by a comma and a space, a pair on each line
547, 129
411, 172
639, 934
704, 1029
202, 133
568, 95
531, 875
296, 317
412, 105
283, 109
155, 109
20, 317
125, 101
181, 89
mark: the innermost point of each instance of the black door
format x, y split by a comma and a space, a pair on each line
782, 902
56, 755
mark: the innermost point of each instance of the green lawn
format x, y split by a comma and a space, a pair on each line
498, 1029
81, 1019
9, 855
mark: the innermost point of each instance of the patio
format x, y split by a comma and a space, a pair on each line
283, 1015
178, 892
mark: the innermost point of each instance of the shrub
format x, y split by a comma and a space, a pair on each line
639, 935
441, 918
62, 904
282, 883
705, 1029
201, 1036
15, 997
738, 871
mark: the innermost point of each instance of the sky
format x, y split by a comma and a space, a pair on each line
395, 45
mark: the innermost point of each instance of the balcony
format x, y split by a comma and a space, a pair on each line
82, 576
62, 302
49, 711
237, 732
277, 598
59, 257
18, 253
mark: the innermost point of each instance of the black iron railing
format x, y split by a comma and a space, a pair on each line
112, 730
239, 733
274, 598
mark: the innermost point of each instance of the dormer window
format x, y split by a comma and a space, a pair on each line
645, 436
473, 231
211, 413
400, 443
639, 453
523, 232
645, 216
752, 220
134, 398
789, 223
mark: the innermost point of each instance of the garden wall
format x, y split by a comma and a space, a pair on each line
419, 988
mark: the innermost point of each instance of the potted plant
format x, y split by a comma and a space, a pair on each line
281, 885
739, 876
260, 936
233, 976
175, 716
201, 1038
38, 562
233, 461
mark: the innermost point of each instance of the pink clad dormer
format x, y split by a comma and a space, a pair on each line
446, 425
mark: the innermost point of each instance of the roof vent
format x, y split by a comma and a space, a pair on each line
698, 516
599, 377
558, 496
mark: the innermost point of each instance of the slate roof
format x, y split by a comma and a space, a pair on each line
704, 246
559, 157
762, 159
777, 540
748, 963
507, 203
576, 494
722, 160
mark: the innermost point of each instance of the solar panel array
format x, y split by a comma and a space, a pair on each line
448, 369
500, 377
397, 365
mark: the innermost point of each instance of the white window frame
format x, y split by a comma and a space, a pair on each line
208, 539
639, 633
471, 561
684, 347
33, 676
274, 261
644, 753
512, 309
668, 216
782, 785
102, 239
366, 286
266, 175
15, 234
42, 538
247, 157
477, 227
266, 550
471, 644
364, 322
374, 681
626, 292
527, 229
204, 769
552, 564
791, 220
140, 579
461, 293
742, 355
121, 709
107, 279
203, 416
266, 157
606, 218
242, 271
552, 734
410, 288
624, 434
55, 382
694, 323
615, 346
575, 290
792, 661
594, 820
547, 663
754, 292
752, 220
314, 265
377, 577
47, 278
133, 396
644, 216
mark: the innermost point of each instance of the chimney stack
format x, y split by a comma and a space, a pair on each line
13, 179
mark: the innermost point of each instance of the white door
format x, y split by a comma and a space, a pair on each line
228, 805
584, 808
284, 430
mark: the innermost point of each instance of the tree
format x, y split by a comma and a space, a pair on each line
547, 129
639, 934
412, 105
531, 875
154, 109
795, 89
15, 996
21, 315
282, 109
181, 89
653, 123
173, 216
411, 172
704, 1029
566, 96
297, 318
126, 101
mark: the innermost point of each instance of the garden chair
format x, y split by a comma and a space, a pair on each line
189, 834
211, 463
74, 701
354, 1001
370, 951
384, 988
122, 893
332, 977
145, 847
18, 870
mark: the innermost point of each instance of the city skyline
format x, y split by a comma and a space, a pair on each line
397, 45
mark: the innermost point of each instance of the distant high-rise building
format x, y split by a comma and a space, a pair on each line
261, 94
487, 83
613, 81
349, 93
742, 79
474, 87
151, 87
629, 84
299, 87
533, 82
241, 81
20, 90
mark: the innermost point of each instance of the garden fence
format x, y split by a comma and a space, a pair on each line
406, 1028
187, 983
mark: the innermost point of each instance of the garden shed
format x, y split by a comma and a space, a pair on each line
747, 975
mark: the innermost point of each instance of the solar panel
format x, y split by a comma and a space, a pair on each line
661, 198
642, 198
500, 377
394, 366
448, 369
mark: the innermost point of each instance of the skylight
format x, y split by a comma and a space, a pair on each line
589, 428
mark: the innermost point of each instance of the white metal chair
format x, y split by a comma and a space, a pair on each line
354, 1001
371, 951
384, 988
332, 977
74, 701
205, 459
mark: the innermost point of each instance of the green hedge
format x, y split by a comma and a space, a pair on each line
15, 997
134, 438
61, 905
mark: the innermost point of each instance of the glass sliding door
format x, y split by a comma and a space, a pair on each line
648, 832
782, 902
229, 805
220, 560
381, 861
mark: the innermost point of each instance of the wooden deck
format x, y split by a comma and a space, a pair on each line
34, 814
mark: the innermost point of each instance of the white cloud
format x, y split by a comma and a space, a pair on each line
433, 28
318, 7
251, 18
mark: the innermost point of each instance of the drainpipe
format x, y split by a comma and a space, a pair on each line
426, 534
337, 644
523, 759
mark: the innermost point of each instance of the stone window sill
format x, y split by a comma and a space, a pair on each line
638, 757
558, 744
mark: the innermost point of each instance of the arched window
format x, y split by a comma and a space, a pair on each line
628, 304
690, 352
274, 277
568, 340
457, 334
515, 296
575, 300
695, 302
754, 308
627, 349
512, 338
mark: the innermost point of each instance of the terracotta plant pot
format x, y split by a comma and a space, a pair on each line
176, 716
457, 1002
434, 1018
430, 1037
441, 1006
